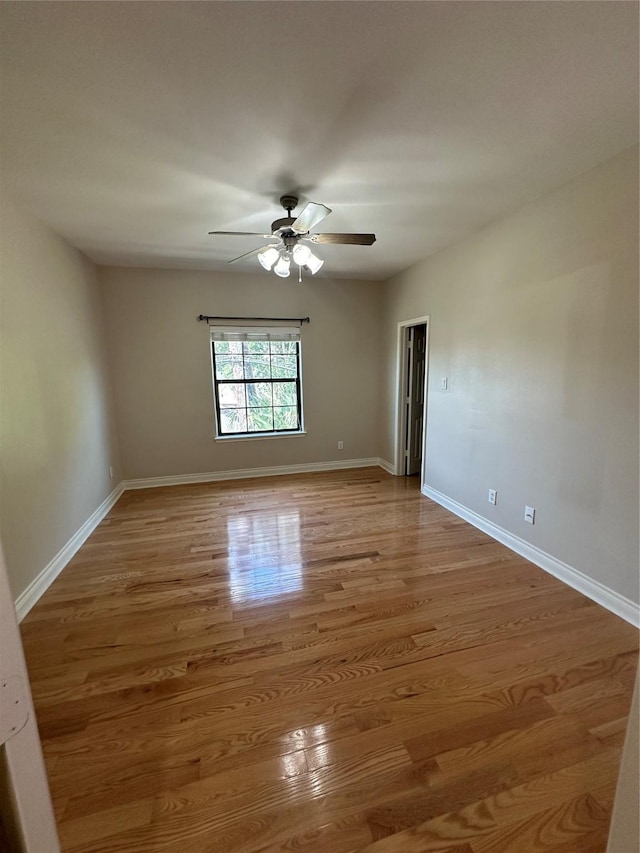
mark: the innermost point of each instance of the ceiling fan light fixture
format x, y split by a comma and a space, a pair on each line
313, 263
282, 267
304, 256
268, 257
301, 254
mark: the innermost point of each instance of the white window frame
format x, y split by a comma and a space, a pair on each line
244, 333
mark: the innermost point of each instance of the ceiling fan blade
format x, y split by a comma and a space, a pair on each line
310, 216
240, 234
250, 254
344, 239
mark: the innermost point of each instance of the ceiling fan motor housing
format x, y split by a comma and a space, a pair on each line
285, 223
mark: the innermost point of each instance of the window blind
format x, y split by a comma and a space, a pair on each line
255, 333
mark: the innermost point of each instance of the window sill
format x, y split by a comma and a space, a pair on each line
259, 436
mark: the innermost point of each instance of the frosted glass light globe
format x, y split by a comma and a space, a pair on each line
282, 266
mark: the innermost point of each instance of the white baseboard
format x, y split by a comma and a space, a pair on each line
388, 467
244, 473
43, 581
596, 591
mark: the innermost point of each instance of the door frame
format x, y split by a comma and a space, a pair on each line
401, 408
26, 805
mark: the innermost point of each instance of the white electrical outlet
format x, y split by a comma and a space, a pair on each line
341, 445
110, 472
493, 496
445, 383
530, 514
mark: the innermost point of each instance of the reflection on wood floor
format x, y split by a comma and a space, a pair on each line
322, 662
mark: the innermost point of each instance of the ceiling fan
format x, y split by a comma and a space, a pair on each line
289, 238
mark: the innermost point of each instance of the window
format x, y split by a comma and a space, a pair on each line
256, 380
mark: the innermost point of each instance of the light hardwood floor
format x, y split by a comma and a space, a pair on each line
323, 662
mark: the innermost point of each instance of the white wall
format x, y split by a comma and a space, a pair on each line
160, 359
57, 437
534, 321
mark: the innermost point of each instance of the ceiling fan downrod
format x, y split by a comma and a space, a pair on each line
289, 202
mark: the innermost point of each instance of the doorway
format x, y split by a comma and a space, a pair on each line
412, 396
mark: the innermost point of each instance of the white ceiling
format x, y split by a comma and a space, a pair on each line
133, 128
